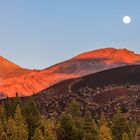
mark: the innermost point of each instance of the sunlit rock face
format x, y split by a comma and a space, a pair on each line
26, 82
9, 69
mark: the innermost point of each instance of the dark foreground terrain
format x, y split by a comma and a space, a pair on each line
102, 91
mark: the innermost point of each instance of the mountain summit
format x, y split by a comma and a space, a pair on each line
111, 55
26, 82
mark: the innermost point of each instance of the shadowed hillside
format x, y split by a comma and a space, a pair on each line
106, 90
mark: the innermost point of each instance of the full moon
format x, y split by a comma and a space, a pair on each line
126, 19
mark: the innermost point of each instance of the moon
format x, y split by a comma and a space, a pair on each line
126, 19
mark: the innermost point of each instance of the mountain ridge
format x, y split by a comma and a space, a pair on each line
102, 91
9, 69
86, 63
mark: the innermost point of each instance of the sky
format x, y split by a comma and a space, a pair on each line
39, 33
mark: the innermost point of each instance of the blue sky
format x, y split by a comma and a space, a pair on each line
40, 33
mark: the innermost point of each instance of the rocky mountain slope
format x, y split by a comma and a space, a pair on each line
9, 69
13, 79
106, 90
26, 82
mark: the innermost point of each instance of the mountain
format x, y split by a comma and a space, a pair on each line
27, 82
13, 79
106, 90
9, 69
90, 62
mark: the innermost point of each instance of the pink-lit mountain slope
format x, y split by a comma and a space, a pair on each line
26, 82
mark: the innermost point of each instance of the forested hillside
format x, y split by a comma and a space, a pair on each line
20, 120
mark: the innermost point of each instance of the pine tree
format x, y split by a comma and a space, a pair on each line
22, 130
17, 101
47, 126
89, 126
32, 115
3, 117
133, 127
70, 127
17, 128
38, 135
67, 127
104, 133
119, 126
8, 108
11, 104
137, 135
11, 129
125, 136
102, 120
73, 108
3, 135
